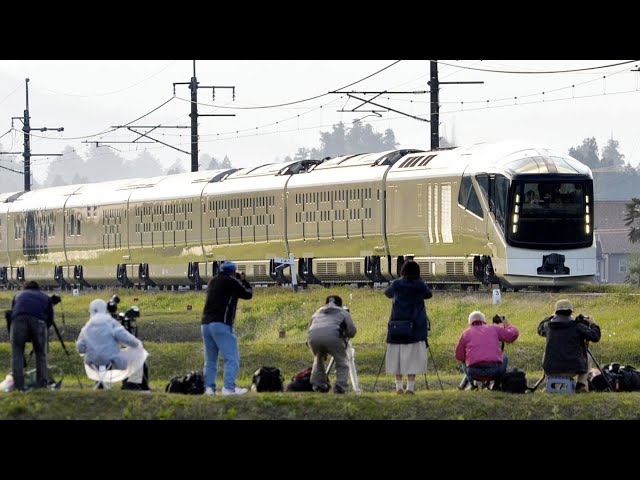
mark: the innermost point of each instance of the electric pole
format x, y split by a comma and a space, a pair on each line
193, 86
26, 128
434, 85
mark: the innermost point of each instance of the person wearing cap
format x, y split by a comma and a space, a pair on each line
479, 349
218, 316
565, 353
330, 328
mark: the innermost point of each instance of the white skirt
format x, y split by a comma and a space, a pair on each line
409, 359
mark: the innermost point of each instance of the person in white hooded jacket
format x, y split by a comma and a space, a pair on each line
100, 340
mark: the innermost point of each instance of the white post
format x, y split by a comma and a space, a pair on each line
294, 278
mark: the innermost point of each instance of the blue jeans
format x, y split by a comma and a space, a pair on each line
219, 338
493, 371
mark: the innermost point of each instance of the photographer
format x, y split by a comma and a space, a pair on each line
100, 341
32, 315
566, 348
330, 328
479, 348
218, 316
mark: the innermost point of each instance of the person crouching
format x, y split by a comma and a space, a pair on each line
330, 328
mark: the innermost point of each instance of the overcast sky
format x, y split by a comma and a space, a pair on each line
87, 97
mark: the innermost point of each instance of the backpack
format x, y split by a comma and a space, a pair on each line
192, 384
268, 379
513, 381
623, 378
300, 382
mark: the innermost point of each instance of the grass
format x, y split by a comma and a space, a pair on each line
171, 333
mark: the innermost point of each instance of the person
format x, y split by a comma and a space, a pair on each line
31, 317
330, 328
407, 353
531, 197
218, 316
565, 352
100, 340
479, 349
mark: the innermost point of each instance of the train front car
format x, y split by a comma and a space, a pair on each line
545, 218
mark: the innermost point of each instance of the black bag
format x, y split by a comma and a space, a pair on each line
513, 381
192, 384
268, 379
623, 378
400, 329
300, 382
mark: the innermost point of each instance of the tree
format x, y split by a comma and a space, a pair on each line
611, 157
226, 163
144, 165
632, 219
67, 165
587, 153
176, 167
389, 140
633, 269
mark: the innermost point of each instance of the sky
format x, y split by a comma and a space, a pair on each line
87, 97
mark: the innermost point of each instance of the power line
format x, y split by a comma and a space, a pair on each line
536, 72
297, 101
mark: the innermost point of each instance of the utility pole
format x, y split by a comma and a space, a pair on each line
193, 86
434, 85
26, 128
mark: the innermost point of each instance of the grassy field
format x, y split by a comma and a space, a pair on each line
170, 328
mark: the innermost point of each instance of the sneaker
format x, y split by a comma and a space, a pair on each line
409, 392
400, 391
324, 388
339, 389
234, 391
209, 391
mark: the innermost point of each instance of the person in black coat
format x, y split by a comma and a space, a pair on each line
566, 347
218, 317
408, 326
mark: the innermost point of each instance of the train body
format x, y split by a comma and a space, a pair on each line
504, 213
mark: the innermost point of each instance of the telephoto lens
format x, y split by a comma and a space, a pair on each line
497, 318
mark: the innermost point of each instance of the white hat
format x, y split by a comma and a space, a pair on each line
477, 316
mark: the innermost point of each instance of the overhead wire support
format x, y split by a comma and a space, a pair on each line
366, 101
434, 87
27, 129
193, 86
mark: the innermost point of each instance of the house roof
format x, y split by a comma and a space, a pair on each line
616, 242
609, 214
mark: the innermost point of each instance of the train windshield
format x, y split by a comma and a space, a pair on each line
551, 214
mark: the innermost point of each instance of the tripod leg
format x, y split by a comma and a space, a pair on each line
380, 369
353, 373
435, 368
535, 387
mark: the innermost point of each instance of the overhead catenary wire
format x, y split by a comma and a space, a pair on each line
259, 107
535, 72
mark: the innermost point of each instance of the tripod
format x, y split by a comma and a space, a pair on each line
426, 383
353, 373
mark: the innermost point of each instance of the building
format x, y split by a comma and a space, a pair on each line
613, 247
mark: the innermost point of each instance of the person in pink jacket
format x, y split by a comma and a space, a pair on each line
479, 348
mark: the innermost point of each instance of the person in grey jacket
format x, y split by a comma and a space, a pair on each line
329, 331
100, 341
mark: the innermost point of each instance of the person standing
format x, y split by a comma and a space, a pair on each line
330, 329
565, 351
407, 350
31, 316
218, 317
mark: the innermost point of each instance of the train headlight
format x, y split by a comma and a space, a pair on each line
587, 228
515, 228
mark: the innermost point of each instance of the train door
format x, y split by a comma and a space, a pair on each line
473, 228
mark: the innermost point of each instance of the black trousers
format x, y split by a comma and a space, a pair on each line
27, 328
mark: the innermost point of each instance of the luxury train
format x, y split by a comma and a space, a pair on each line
505, 214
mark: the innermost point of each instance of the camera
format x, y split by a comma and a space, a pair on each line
497, 318
128, 320
112, 305
582, 318
55, 299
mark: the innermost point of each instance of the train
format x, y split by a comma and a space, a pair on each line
510, 214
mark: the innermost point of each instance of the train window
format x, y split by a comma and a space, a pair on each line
468, 198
